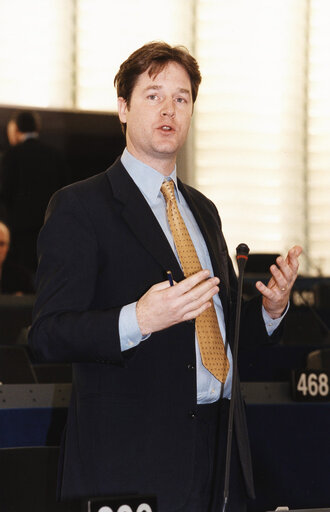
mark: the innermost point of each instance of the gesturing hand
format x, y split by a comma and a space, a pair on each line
277, 292
164, 305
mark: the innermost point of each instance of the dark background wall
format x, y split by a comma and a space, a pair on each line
89, 141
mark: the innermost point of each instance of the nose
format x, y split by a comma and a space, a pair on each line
168, 109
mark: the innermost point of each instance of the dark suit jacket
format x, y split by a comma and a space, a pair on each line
130, 425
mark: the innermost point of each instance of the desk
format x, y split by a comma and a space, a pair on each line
33, 414
290, 441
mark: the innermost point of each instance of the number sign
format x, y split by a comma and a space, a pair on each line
123, 504
311, 385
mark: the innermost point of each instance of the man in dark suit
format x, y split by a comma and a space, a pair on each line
31, 173
146, 415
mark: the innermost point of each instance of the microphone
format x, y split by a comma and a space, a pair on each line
242, 252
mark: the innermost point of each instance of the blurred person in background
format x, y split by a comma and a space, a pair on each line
30, 173
14, 279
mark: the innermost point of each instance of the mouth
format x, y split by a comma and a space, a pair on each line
166, 128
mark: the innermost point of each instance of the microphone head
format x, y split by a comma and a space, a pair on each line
242, 250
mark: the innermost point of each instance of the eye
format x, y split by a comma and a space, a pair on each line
181, 100
152, 97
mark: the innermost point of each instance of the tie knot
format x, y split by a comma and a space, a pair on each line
167, 189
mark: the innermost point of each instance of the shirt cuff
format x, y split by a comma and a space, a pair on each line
273, 323
129, 330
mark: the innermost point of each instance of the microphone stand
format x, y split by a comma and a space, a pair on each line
242, 252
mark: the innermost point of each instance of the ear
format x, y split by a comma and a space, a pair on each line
122, 109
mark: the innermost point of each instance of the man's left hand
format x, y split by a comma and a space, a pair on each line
277, 292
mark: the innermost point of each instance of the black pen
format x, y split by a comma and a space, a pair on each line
170, 277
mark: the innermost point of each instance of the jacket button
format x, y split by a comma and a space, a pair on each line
191, 367
193, 415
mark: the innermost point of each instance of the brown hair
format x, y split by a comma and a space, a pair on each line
154, 57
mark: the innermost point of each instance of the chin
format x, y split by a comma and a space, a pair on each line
167, 148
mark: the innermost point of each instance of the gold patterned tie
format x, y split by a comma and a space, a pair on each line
209, 337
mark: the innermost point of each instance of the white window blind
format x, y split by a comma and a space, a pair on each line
250, 117
318, 191
36, 47
261, 133
108, 32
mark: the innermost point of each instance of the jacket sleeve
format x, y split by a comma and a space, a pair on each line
66, 324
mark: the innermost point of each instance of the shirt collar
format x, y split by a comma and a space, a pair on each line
147, 179
30, 135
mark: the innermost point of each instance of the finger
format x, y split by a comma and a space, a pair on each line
203, 292
190, 282
283, 272
282, 276
194, 313
161, 286
266, 291
201, 299
183, 291
296, 250
289, 266
293, 257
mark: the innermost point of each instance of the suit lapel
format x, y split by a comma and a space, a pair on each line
138, 215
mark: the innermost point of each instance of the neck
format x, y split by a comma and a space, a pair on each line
164, 165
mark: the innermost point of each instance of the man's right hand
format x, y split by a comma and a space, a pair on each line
163, 305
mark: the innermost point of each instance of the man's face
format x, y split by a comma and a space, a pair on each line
4, 243
158, 117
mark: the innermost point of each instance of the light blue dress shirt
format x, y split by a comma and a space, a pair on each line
149, 181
